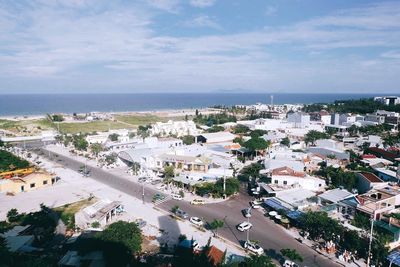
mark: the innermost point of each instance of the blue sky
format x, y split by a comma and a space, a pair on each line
300, 46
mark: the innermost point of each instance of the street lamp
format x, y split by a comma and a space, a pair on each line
370, 239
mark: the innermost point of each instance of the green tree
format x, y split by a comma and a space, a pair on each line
257, 261
291, 254
256, 144
285, 141
241, 129
257, 133
135, 168
319, 225
95, 224
13, 216
144, 131
313, 136
126, 233
252, 170
216, 129
169, 171
188, 139
113, 137
80, 142
215, 225
1, 143
96, 148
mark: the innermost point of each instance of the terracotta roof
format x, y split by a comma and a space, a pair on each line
371, 177
383, 153
368, 156
287, 171
215, 255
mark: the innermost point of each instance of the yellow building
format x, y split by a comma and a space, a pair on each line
27, 183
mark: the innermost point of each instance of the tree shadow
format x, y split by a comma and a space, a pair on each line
275, 255
170, 233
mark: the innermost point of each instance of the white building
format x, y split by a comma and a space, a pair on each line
178, 128
219, 137
299, 119
388, 100
97, 138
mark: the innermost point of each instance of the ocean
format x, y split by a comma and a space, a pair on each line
37, 104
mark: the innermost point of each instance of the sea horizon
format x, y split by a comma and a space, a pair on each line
41, 103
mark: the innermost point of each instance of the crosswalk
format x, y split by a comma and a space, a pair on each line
160, 201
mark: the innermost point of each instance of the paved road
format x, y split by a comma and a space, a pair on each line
270, 235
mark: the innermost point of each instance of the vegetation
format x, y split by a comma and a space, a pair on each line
144, 131
285, 141
56, 117
123, 232
313, 136
96, 148
139, 119
291, 254
336, 177
67, 212
188, 139
217, 189
9, 162
255, 144
257, 261
360, 106
252, 170
89, 127
80, 142
241, 129
215, 225
169, 172
258, 115
214, 119
215, 129
113, 137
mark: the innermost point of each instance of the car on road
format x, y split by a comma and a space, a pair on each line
182, 214
253, 247
158, 196
246, 213
140, 223
196, 221
256, 204
176, 196
142, 179
244, 226
197, 202
162, 187
154, 182
289, 263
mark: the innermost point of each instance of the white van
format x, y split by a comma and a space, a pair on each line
176, 196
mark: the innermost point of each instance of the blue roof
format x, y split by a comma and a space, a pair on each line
394, 257
294, 214
186, 243
275, 204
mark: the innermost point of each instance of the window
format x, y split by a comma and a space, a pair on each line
45, 182
285, 182
276, 181
32, 185
22, 188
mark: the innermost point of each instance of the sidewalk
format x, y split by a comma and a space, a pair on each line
72, 187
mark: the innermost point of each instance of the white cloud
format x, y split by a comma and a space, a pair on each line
171, 6
270, 11
118, 47
202, 3
203, 21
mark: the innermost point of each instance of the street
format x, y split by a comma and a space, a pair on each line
270, 235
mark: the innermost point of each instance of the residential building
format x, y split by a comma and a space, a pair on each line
101, 138
367, 181
299, 119
103, 212
378, 201
177, 128
388, 100
26, 183
378, 119
219, 137
338, 200
326, 151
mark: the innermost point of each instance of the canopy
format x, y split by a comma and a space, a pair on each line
272, 213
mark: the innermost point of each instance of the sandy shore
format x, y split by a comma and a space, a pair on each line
160, 113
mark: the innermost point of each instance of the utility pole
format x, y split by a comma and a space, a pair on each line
370, 239
143, 194
224, 183
248, 231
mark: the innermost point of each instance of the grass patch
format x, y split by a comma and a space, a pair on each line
67, 212
93, 126
139, 119
25, 126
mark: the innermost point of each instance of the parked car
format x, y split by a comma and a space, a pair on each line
253, 247
244, 226
140, 223
182, 214
197, 202
154, 182
246, 213
162, 187
158, 197
255, 204
289, 263
142, 179
196, 221
176, 196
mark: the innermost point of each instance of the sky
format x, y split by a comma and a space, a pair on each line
137, 46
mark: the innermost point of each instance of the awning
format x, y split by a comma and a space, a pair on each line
275, 204
294, 215
394, 258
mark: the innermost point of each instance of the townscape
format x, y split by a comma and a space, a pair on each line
244, 185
